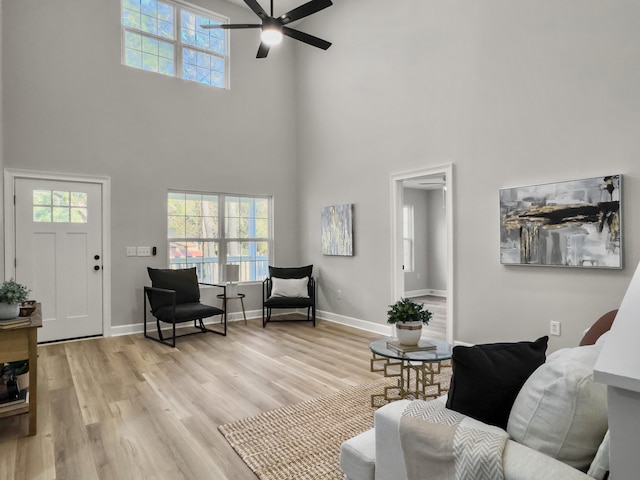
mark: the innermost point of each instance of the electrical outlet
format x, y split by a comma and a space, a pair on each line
131, 252
554, 328
339, 294
144, 251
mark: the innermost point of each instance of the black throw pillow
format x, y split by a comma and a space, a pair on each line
487, 378
183, 281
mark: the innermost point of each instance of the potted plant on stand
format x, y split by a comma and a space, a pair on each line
408, 318
12, 294
21, 372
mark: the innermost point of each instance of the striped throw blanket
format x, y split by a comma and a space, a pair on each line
435, 442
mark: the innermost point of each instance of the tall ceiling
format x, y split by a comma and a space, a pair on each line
279, 6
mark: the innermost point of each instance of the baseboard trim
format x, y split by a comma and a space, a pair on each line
379, 328
386, 330
382, 329
118, 330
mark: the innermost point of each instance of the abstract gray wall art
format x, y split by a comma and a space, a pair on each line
571, 224
337, 230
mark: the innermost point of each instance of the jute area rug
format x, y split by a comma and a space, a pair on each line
302, 441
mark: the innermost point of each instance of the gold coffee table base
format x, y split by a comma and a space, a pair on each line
416, 379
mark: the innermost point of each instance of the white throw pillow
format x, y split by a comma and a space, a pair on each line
290, 287
560, 410
603, 338
600, 465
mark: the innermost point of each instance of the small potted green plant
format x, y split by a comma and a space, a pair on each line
21, 372
408, 318
12, 294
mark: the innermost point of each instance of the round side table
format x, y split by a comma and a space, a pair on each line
237, 296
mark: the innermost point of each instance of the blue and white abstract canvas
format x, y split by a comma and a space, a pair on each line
576, 223
337, 230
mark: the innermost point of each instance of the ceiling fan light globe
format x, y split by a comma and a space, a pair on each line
271, 36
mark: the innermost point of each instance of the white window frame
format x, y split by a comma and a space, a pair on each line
408, 239
178, 7
222, 239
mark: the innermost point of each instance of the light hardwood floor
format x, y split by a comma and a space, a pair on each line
130, 408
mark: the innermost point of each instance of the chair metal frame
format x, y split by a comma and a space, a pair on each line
197, 323
267, 285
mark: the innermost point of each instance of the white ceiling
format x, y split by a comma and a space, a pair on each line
279, 6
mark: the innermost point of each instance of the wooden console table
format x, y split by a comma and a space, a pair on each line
21, 343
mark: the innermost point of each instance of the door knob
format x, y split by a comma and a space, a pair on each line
97, 267
96, 257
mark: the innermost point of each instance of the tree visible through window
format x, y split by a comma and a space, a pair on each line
59, 206
209, 231
165, 36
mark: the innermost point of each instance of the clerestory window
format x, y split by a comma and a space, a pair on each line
166, 37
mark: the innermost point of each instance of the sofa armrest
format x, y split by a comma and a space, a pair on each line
389, 457
520, 462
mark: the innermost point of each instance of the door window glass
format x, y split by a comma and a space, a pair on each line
59, 206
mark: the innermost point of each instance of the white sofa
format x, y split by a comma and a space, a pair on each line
558, 420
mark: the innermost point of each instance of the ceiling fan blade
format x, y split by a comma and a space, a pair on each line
263, 50
306, 38
232, 26
257, 8
305, 10
241, 25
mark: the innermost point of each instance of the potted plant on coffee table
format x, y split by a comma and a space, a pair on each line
12, 294
408, 318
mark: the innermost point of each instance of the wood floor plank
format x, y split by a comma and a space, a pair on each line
128, 407
72, 452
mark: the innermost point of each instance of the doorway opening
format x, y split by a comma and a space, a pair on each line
422, 243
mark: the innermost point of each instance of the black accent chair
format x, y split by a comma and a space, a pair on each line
284, 288
174, 298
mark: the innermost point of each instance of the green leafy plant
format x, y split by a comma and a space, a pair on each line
12, 292
20, 367
406, 310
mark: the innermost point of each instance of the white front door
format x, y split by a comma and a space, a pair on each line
59, 254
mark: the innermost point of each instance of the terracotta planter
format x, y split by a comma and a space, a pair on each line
409, 333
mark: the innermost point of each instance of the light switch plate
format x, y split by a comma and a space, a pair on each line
144, 251
131, 252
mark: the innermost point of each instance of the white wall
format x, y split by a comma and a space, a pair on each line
418, 280
430, 241
512, 93
70, 106
437, 241
1, 151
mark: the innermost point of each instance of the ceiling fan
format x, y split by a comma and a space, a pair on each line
273, 28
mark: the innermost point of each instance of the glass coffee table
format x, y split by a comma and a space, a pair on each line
416, 371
